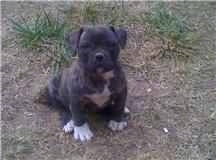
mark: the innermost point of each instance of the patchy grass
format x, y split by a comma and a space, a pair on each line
172, 29
109, 13
90, 12
45, 34
39, 30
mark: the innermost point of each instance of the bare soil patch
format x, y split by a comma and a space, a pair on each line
163, 93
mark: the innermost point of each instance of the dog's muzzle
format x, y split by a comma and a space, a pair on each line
99, 57
102, 62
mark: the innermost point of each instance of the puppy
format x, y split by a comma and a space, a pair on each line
94, 82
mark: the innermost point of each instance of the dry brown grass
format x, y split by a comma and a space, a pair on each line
181, 96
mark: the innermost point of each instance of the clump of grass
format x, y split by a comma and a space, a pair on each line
110, 13
171, 28
83, 13
90, 12
40, 29
115, 13
46, 35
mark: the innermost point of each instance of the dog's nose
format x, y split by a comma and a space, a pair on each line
99, 57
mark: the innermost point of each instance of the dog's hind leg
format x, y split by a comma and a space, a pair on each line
56, 103
53, 93
117, 112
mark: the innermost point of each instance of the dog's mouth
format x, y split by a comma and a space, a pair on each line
105, 74
100, 70
103, 69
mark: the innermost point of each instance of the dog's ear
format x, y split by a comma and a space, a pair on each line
121, 34
72, 40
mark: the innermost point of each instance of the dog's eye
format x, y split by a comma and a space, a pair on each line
112, 44
85, 46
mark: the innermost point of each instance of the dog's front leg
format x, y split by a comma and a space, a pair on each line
79, 121
116, 112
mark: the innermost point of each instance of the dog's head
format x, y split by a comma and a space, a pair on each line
98, 47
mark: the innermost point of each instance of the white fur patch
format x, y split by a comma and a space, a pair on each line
69, 127
126, 110
82, 133
100, 98
108, 75
117, 126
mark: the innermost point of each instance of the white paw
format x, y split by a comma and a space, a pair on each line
117, 126
82, 133
69, 127
126, 110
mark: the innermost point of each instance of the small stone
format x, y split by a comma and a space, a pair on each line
213, 115
149, 90
165, 130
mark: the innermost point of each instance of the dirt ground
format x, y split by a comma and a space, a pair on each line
165, 93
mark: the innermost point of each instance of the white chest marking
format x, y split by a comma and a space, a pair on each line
100, 98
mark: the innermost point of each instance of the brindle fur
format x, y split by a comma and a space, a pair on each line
72, 89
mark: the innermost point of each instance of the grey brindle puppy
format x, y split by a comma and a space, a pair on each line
95, 82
